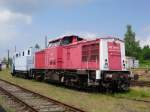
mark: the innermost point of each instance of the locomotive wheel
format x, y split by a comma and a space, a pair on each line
124, 87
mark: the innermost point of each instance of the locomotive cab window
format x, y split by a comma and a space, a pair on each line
79, 39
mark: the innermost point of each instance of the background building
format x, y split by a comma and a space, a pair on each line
131, 62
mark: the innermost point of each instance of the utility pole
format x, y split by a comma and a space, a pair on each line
15, 48
8, 59
45, 41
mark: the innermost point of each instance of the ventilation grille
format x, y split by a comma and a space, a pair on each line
90, 52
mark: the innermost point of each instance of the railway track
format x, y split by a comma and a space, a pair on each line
140, 83
29, 101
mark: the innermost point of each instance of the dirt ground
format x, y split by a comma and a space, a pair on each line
143, 74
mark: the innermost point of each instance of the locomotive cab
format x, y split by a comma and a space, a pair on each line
70, 39
66, 40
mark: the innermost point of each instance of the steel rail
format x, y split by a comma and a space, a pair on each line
28, 107
66, 106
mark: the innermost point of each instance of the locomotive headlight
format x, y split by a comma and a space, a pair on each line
106, 64
124, 65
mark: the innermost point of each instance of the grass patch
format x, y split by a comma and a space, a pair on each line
135, 93
145, 64
92, 102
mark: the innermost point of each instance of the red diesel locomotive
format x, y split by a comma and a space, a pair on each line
74, 61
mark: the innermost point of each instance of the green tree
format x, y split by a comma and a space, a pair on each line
146, 52
132, 46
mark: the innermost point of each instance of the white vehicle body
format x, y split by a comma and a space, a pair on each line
23, 61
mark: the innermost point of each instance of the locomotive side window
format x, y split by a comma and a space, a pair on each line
79, 39
66, 40
54, 43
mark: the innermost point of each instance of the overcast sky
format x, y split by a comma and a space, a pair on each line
26, 22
